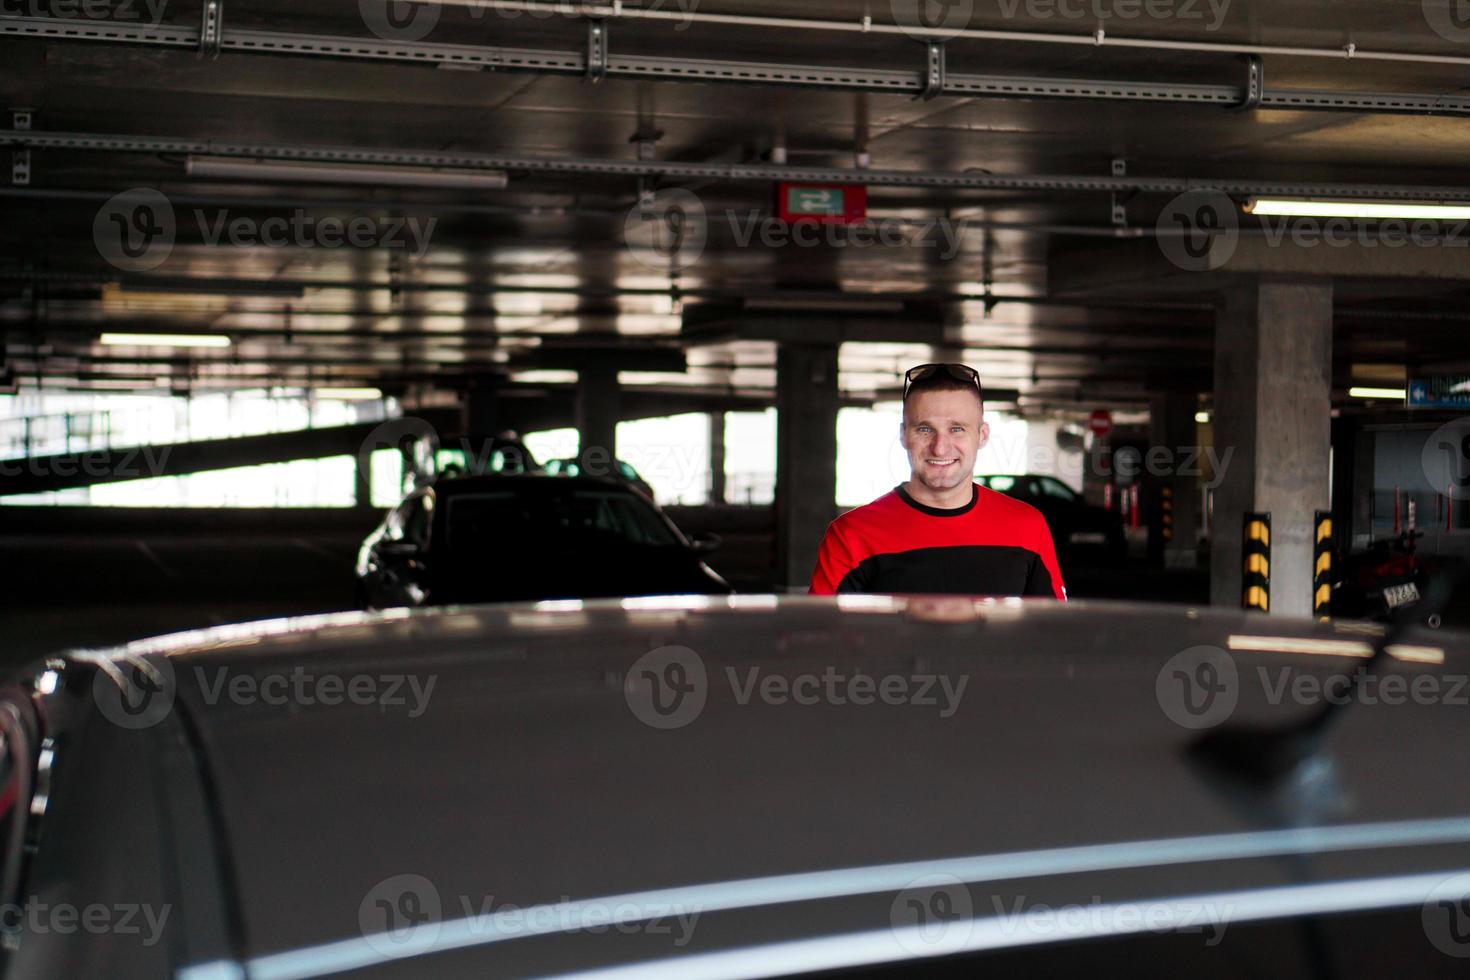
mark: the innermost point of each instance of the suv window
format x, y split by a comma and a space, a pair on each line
1056, 488
537, 519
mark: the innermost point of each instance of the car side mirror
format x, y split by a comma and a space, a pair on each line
705, 543
401, 549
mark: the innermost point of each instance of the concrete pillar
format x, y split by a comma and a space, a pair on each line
717, 457
1172, 427
806, 457
599, 409
1273, 385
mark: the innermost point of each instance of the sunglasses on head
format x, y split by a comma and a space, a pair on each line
959, 372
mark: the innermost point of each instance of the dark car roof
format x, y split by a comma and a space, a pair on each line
472, 484
529, 776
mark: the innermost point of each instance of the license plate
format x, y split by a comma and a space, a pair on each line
1401, 595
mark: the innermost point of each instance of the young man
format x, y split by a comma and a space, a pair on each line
940, 532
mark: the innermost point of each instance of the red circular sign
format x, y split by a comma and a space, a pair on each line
1101, 423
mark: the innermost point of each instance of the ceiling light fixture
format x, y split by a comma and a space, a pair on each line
1398, 394
164, 340
349, 394
1303, 208
345, 173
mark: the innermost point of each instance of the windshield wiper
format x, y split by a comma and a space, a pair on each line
1267, 753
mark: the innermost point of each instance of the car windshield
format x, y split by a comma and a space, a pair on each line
537, 519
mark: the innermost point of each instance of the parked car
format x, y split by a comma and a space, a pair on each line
732, 787
620, 470
528, 536
1075, 524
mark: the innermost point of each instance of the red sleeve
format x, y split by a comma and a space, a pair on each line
834, 561
1048, 552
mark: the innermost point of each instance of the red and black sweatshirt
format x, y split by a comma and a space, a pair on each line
994, 545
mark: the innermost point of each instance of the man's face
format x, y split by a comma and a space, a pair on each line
943, 431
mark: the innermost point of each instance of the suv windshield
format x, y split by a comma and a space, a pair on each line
541, 518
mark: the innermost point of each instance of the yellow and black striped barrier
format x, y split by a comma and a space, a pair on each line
1255, 555
1322, 565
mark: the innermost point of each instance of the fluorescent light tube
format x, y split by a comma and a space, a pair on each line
1287, 208
165, 340
344, 173
349, 394
1396, 393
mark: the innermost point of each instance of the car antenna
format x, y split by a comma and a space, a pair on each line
1267, 753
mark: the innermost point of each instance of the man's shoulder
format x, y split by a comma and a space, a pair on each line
996, 503
878, 511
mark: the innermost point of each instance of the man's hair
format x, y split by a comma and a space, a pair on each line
943, 381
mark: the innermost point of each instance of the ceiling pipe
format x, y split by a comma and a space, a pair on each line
866, 25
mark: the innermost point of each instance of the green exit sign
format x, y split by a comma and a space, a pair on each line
824, 203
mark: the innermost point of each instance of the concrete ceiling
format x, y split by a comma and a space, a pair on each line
508, 281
